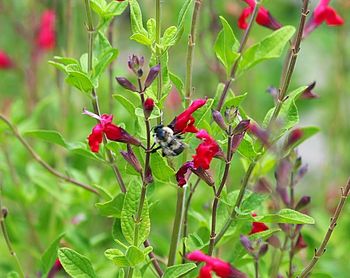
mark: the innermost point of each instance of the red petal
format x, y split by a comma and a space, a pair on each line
95, 138
185, 121
333, 18
242, 20
205, 272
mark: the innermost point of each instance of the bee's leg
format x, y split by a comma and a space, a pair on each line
156, 149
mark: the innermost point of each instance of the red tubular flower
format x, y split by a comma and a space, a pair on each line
185, 121
180, 175
220, 268
112, 132
46, 38
205, 151
322, 13
55, 269
257, 227
263, 17
5, 61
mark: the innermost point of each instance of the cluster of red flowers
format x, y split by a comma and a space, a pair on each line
322, 13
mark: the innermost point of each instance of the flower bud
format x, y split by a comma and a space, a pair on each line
247, 244
274, 241
217, 117
300, 243
131, 158
308, 93
259, 133
5, 61
148, 106
204, 175
135, 64
125, 83
153, 73
241, 127
148, 176
293, 137
4, 212
263, 249
303, 202
236, 141
231, 114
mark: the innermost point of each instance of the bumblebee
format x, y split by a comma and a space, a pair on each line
170, 144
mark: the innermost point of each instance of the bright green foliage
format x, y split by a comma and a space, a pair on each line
178, 270
113, 207
49, 257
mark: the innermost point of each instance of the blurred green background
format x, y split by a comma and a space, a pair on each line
41, 207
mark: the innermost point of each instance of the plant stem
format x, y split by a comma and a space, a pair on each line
42, 162
256, 267
158, 35
276, 263
190, 52
285, 84
177, 225
154, 260
7, 238
187, 207
218, 193
240, 50
110, 67
292, 57
94, 100
320, 251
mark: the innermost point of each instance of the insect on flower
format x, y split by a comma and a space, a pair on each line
170, 144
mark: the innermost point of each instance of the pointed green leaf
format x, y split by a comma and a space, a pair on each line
179, 270
51, 136
49, 257
113, 207
134, 255
136, 18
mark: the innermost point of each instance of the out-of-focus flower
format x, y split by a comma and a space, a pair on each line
148, 106
294, 136
220, 268
46, 37
55, 269
5, 61
135, 64
205, 151
300, 243
185, 121
131, 158
308, 92
322, 13
112, 132
173, 101
182, 174
260, 133
263, 18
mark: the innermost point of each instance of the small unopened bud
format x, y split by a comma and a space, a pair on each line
284, 227
308, 93
131, 158
260, 133
301, 173
148, 106
236, 141
4, 212
263, 249
293, 137
204, 175
217, 117
241, 127
148, 175
247, 244
135, 64
126, 84
304, 201
231, 114
274, 241
153, 73
263, 186
300, 244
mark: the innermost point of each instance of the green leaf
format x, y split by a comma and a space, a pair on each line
151, 28
182, 13
98, 6
113, 207
74, 264
103, 62
285, 216
246, 148
226, 46
51, 136
79, 80
127, 104
179, 85
307, 132
136, 18
270, 47
50, 255
115, 8
234, 101
160, 168
141, 38
169, 37
179, 270
12, 274
118, 257
134, 255
130, 207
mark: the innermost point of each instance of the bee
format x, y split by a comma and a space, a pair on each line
170, 144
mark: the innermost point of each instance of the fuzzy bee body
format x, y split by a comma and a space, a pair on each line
170, 144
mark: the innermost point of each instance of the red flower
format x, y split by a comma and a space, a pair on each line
257, 227
322, 13
46, 38
263, 17
112, 132
205, 151
55, 269
5, 61
180, 175
219, 267
300, 243
185, 121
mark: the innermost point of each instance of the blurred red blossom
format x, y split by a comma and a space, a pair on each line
205, 150
263, 18
5, 61
46, 37
257, 227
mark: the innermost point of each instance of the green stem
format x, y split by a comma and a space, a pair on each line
181, 191
110, 67
256, 267
7, 238
94, 99
158, 35
276, 263
320, 251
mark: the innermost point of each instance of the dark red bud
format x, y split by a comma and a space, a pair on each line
247, 244
300, 244
263, 249
4, 212
204, 175
260, 133
153, 73
217, 117
293, 137
148, 175
148, 106
241, 127
308, 93
131, 158
126, 84
236, 141
304, 201
274, 241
